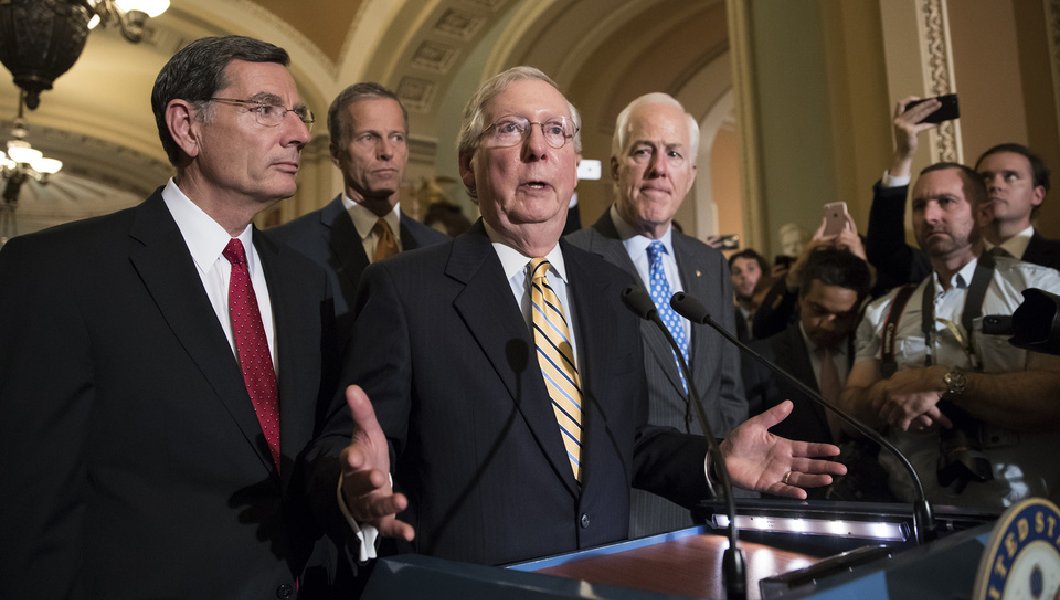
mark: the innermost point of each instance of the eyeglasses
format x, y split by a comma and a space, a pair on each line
270, 115
514, 130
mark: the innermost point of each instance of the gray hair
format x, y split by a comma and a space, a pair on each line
618, 142
475, 115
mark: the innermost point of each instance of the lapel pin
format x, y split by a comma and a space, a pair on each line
699, 273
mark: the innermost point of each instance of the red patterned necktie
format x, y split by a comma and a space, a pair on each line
253, 348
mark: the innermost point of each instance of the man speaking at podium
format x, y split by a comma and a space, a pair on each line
507, 376
977, 417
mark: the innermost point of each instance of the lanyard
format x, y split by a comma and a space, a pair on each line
973, 309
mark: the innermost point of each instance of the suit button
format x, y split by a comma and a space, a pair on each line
284, 590
585, 520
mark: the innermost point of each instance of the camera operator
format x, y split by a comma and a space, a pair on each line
977, 417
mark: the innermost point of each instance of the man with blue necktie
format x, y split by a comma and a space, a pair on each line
653, 163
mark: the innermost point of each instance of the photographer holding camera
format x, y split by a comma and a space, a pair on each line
978, 418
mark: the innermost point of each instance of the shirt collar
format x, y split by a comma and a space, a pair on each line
364, 219
811, 347
635, 243
961, 279
515, 262
1015, 245
206, 239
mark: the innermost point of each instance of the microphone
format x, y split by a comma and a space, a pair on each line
733, 571
923, 520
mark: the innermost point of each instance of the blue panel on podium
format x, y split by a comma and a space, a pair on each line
415, 576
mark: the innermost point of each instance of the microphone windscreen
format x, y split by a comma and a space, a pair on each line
689, 308
638, 301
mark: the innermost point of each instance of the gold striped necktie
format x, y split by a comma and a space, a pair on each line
556, 356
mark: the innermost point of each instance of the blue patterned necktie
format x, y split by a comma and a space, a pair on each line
659, 290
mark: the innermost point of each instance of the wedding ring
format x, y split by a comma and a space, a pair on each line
786, 476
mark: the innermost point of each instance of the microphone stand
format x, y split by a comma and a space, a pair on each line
734, 572
923, 519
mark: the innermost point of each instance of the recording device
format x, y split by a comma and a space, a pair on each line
728, 241
783, 260
923, 520
949, 110
733, 572
835, 217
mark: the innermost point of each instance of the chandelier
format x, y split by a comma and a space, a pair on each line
23, 162
41, 39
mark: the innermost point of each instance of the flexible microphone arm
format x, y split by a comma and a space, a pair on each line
923, 520
733, 571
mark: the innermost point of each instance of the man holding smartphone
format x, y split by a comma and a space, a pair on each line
1017, 182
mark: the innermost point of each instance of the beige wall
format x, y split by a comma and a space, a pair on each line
725, 166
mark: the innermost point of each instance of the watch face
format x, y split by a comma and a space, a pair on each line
955, 382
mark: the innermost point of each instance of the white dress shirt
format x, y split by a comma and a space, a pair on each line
1022, 461
206, 240
637, 247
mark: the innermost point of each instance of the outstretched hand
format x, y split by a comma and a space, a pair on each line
758, 460
366, 485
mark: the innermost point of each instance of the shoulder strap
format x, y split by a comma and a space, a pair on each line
890, 328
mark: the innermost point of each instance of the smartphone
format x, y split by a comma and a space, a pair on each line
949, 110
728, 241
783, 261
835, 217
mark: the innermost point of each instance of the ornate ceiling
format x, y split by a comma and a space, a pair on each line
433, 52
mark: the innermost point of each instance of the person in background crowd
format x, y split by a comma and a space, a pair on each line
976, 416
369, 130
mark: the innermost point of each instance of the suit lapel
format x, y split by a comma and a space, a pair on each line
594, 327
704, 341
491, 314
347, 250
607, 243
796, 354
296, 346
177, 290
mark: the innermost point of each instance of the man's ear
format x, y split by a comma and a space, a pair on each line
184, 128
334, 151
467, 173
614, 168
1039, 195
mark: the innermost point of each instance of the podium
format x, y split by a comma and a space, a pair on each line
803, 550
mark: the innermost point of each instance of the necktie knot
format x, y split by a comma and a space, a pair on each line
656, 250
386, 243
539, 268
998, 251
234, 252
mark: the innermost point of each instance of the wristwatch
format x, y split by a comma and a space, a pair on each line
956, 382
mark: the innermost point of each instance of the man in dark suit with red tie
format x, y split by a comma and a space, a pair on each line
369, 130
160, 367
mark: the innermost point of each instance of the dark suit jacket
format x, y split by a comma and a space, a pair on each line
328, 238
442, 349
714, 362
765, 389
1042, 251
134, 462
888, 252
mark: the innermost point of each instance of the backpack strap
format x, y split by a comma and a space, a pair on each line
888, 365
